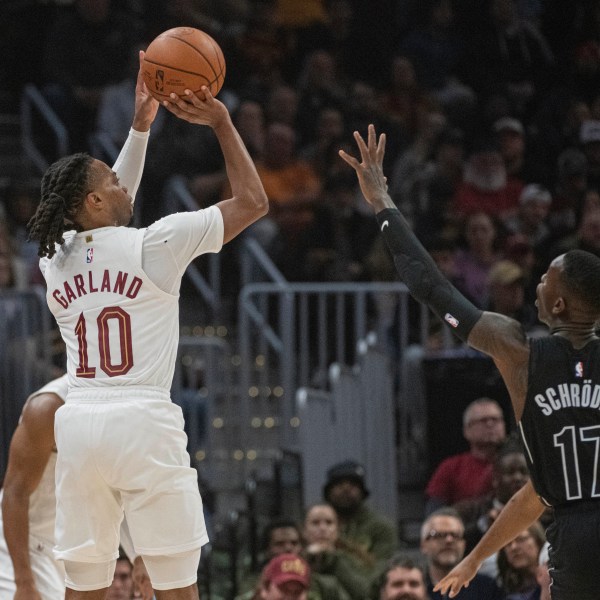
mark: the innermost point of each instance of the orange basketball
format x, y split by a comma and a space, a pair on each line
183, 58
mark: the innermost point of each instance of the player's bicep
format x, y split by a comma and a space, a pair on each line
500, 337
237, 216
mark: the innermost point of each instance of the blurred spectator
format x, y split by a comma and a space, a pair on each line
286, 577
513, 57
328, 135
509, 475
121, 587
346, 491
437, 184
256, 55
438, 54
510, 135
116, 106
362, 108
13, 270
87, 48
327, 554
477, 256
335, 244
486, 185
469, 474
22, 198
518, 563
586, 236
404, 100
283, 536
531, 218
570, 188
319, 85
413, 162
443, 545
590, 143
506, 281
291, 184
282, 105
402, 579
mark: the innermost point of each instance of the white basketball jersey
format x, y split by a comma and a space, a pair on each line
119, 327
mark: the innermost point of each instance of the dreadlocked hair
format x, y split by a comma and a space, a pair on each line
63, 189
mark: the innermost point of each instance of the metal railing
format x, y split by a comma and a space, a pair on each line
25, 357
33, 104
354, 419
296, 330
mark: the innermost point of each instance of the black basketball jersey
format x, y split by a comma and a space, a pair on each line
560, 425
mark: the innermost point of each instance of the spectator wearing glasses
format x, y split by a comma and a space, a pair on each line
443, 546
469, 474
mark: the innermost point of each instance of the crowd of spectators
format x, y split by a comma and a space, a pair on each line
490, 108
492, 115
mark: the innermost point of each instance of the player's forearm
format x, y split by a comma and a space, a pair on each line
129, 165
519, 513
15, 518
241, 171
419, 272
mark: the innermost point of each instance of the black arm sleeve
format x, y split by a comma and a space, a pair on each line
422, 277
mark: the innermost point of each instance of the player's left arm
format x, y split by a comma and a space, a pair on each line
488, 332
30, 449
130, 162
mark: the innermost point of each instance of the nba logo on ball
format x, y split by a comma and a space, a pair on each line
183, 58
159, 81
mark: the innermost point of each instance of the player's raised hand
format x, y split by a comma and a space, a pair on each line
369, 170
146, 106
458, 578
201, 108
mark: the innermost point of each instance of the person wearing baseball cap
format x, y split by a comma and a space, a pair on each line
285, 577
346, 490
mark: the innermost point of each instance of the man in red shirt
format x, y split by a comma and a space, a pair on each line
469, 474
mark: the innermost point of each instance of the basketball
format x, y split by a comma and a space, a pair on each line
183, 58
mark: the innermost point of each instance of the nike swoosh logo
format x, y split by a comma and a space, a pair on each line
384, 225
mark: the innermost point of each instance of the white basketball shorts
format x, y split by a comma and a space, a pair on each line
124, 456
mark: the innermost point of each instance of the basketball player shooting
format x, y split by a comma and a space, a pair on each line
554, 385
113, 291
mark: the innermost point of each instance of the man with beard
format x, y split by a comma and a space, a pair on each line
443, 545
403, 579
346, 491
486, 186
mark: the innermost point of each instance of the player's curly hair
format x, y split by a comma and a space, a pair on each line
64, 186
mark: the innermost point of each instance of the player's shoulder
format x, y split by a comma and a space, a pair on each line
39, 411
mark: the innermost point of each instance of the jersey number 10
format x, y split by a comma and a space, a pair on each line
123, 322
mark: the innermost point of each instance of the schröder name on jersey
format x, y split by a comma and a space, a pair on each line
90, 283
569, 395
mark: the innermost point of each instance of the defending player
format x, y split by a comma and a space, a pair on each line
28, 569
114, 293
554, 383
